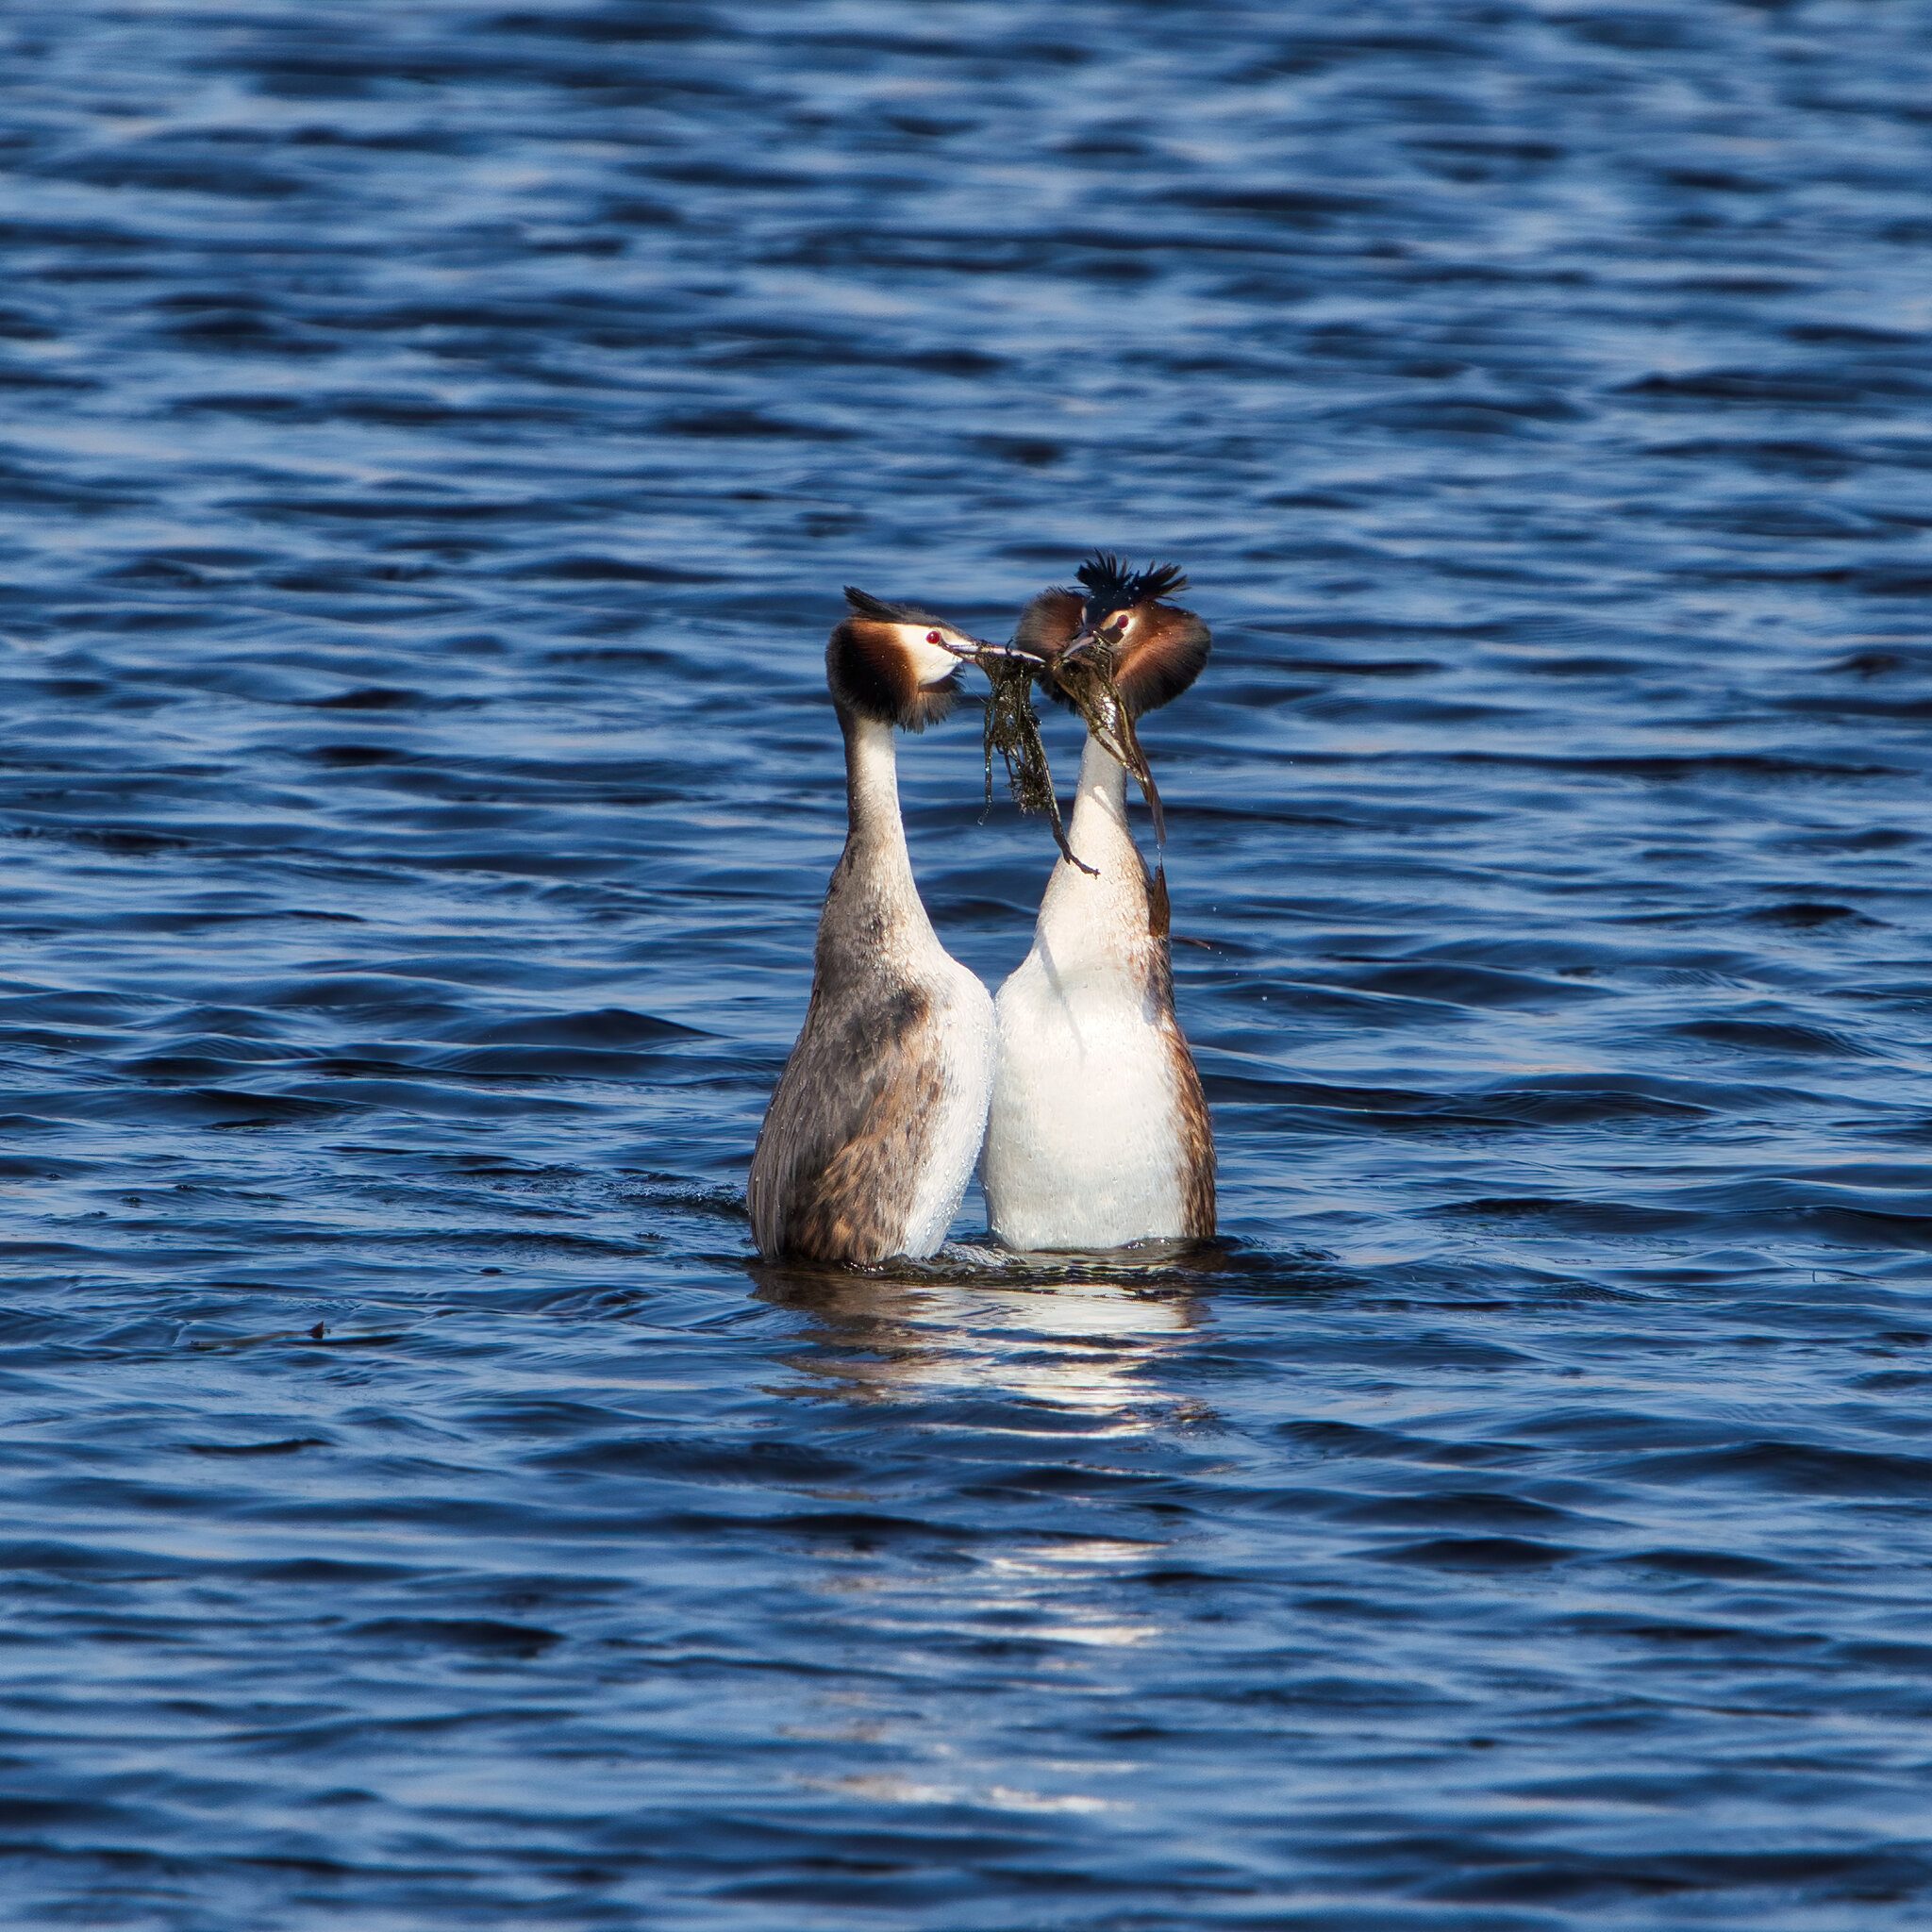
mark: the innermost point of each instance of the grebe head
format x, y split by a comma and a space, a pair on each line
896, 663
1159, 648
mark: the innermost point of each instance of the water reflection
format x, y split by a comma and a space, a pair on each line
1071, 1339
1041, 1389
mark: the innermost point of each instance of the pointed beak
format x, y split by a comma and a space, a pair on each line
979, 648
1082, 640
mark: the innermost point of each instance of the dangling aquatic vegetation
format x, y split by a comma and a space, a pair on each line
1012, 729
1087, 681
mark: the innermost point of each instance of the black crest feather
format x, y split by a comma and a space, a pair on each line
1113, 584
865, 605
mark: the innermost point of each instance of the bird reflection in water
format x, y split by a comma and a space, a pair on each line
1042, 1382
1074, 1335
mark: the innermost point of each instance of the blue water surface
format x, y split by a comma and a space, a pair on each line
432, 438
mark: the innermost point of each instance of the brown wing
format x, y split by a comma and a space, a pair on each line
1196, 1123
834, 1173
1197, 1139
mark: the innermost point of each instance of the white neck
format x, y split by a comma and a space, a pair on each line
1088, 923
875, 836
1101, 800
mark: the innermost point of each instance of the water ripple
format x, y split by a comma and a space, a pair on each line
431, 442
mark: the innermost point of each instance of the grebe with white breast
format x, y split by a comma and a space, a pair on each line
878, 1116
1099, 1133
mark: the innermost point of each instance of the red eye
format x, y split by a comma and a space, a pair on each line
932, 637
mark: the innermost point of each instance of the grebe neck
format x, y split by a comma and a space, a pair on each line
1100, 803
875, 833
1097, 921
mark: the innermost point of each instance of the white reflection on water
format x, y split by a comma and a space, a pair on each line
981, 1358
1085, 1342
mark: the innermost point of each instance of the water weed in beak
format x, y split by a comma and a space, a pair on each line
1083, 674
1084, 678
1012, 729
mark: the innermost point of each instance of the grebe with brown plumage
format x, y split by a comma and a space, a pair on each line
1099, 1133
878, 1116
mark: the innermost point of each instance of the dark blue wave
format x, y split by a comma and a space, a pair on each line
432, 439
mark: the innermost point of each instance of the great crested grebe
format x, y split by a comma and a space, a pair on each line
878, 1116
1099, 1132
